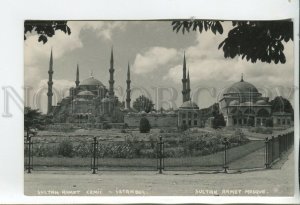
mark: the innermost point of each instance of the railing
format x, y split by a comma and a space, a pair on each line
277, 146
74, 153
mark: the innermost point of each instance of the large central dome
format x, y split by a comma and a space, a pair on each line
241, 87
91, 81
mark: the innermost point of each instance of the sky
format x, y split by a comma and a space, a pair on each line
155, 55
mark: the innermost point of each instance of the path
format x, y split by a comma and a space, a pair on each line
273, 182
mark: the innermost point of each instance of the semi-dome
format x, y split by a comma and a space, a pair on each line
234, 102
91, 81
261, 102
241, 87
248, 103
85, 93
189, 105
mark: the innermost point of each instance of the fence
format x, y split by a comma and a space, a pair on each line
95, 154
276, 146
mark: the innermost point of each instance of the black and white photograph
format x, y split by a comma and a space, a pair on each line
149, 102
183, 107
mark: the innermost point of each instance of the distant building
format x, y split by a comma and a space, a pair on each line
188, 113
242, 105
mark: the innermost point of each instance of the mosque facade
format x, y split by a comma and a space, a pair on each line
89, 101
243, 105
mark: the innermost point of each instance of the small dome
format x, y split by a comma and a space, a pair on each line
189, 105
261, 102
234, 102
91, 81
85, 93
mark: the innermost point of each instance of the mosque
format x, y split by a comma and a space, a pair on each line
89, 101
242, 105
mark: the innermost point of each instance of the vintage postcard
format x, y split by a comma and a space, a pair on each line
187, 107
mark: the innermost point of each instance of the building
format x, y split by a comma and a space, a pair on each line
242, 105
188, 113
89, 101
282, 119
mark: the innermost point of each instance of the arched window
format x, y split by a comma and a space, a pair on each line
263, 113
249, 111
239, 113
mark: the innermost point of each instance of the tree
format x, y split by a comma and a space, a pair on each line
32, 119
281, 104
218, 120
143, 103
144, 125
253, 40
45, 29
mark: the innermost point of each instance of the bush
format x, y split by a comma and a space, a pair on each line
184, 127
218, 121
144, 125
65, 148
106, 126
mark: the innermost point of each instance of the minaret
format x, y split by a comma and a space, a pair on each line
184, 81
50, 83
77, 76
242, 78
128, 81
188, 87
111, 73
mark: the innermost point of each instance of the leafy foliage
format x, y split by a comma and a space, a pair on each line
184, 127
218, 120
32, 118
106, 126
143, 103
65, 148
45, 29
200, 25
281, 104
144, 125
253, 40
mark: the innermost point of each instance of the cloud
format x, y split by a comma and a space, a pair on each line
103, 29
153, 59
61, 43
208, 66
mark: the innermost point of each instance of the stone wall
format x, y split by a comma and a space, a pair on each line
156, 120
69, 126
